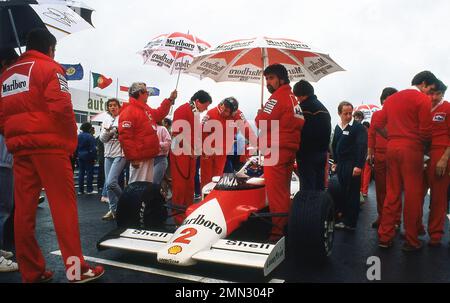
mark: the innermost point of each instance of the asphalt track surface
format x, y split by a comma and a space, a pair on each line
348, 263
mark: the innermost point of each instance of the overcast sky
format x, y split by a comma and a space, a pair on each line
379, 42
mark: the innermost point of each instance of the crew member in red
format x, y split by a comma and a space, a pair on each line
41, 133
376, 155
406, 116
366, 175
231, 119
438, 167
186, 147
137, 131
283, 109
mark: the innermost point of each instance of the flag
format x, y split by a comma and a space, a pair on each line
73, 71
152, 91
101, 81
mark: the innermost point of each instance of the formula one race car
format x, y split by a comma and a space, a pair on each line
229, 205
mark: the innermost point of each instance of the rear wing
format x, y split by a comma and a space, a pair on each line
262, 256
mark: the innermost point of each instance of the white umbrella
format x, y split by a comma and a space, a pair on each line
173, 52
245, 60
61, 18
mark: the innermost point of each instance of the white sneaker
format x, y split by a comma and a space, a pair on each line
104, 199
8, 265
6, 254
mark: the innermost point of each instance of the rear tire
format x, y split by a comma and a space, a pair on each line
311, 225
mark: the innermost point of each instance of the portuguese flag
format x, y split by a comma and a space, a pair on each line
101, 81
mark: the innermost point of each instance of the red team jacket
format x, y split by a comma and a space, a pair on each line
283, 107
409, 122
36, 107
214, 115
137, 129
441, 124
376, 141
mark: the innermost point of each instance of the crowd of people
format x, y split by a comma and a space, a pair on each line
38, 141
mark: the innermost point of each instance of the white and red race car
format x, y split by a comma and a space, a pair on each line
206, 235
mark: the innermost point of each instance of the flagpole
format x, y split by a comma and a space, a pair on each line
90, 75
117, 89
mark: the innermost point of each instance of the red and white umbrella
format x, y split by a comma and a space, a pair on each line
173, 52
367, 110
245, 60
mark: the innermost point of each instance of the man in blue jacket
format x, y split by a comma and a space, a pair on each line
349, 154
87, 153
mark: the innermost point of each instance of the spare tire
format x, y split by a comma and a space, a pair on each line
311, 225
141, 206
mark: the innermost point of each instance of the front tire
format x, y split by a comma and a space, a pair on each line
311, 225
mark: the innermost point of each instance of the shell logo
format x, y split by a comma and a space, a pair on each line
175, 250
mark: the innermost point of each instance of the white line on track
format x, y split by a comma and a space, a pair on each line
160, 272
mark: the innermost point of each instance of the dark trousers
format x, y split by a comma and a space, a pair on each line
85, 167
311, 170
101, 176
350, 187
198, 187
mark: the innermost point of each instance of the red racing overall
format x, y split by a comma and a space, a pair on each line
41, 133
379, 144
182, 165
283, 108
439, 143
406, 115
213, 165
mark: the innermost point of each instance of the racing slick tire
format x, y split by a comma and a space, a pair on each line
141, 206
311, 225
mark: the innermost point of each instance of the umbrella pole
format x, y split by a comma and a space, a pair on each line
178, 77
262, 91
179, 73
13, 24
178, 80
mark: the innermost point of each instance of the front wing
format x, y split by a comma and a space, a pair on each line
229, 252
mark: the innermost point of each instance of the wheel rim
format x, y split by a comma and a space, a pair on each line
329, 232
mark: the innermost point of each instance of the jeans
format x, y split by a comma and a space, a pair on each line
113, 169
159, 169
6, 199
85, 166
311, 170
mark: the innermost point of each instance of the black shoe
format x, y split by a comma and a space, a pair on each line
409, 248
